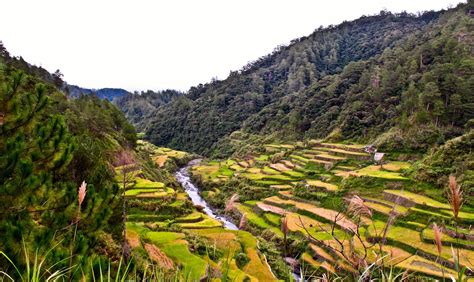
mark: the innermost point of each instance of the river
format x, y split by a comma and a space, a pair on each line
184, 178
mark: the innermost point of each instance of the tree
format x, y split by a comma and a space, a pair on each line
34, 147
126, 165
430, 95
438, 110
31, 144
409, 99
3, 51
58, 79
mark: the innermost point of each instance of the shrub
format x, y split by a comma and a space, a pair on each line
241, 259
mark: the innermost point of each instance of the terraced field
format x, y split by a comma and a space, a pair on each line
310, 186
165, 229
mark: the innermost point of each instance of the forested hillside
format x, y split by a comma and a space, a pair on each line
138, 107
49, 145
346, 155
39, 72
103, 93
212, 111
424, 83
367, 80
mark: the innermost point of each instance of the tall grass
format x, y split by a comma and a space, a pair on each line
34, 270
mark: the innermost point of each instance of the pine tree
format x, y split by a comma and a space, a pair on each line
34, 147
409, 99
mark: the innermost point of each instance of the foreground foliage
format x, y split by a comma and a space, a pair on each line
48, 145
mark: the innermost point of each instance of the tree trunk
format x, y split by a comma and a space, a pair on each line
125, 249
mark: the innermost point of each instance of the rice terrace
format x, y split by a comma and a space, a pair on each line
345, 154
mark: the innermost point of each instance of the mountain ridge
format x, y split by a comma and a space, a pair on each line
108, 93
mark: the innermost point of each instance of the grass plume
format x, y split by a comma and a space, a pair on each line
455, 196
243, 222
230, 204
358, 208
437, 237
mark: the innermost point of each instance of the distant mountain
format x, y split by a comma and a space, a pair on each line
103, 93
56, 78
144, 105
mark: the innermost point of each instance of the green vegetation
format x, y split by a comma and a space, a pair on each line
177, 250
49, 145
176, 235
418, 199
406, 90
258, 221
284, 153
310, 201
377, 171
144, 184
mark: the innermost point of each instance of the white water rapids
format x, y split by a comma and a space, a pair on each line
184, 178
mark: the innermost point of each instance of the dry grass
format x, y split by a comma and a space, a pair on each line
81, 193
288, 164
243, 222
331, 215
396, 166
158, 256
358, 208
279, 166
161, 160
269, 208
437, 238
230, 204
219, 237
133, 238
320, 184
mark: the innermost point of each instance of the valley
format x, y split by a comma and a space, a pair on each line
186, 239
344, 155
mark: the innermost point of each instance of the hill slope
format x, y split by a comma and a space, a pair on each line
212, 111
139, 107
355, 81
49, 145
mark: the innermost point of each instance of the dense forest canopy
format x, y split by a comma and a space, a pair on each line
140, 106
220, 108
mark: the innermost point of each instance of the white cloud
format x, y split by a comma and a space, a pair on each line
145, 44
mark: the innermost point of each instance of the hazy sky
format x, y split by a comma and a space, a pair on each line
145, 44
